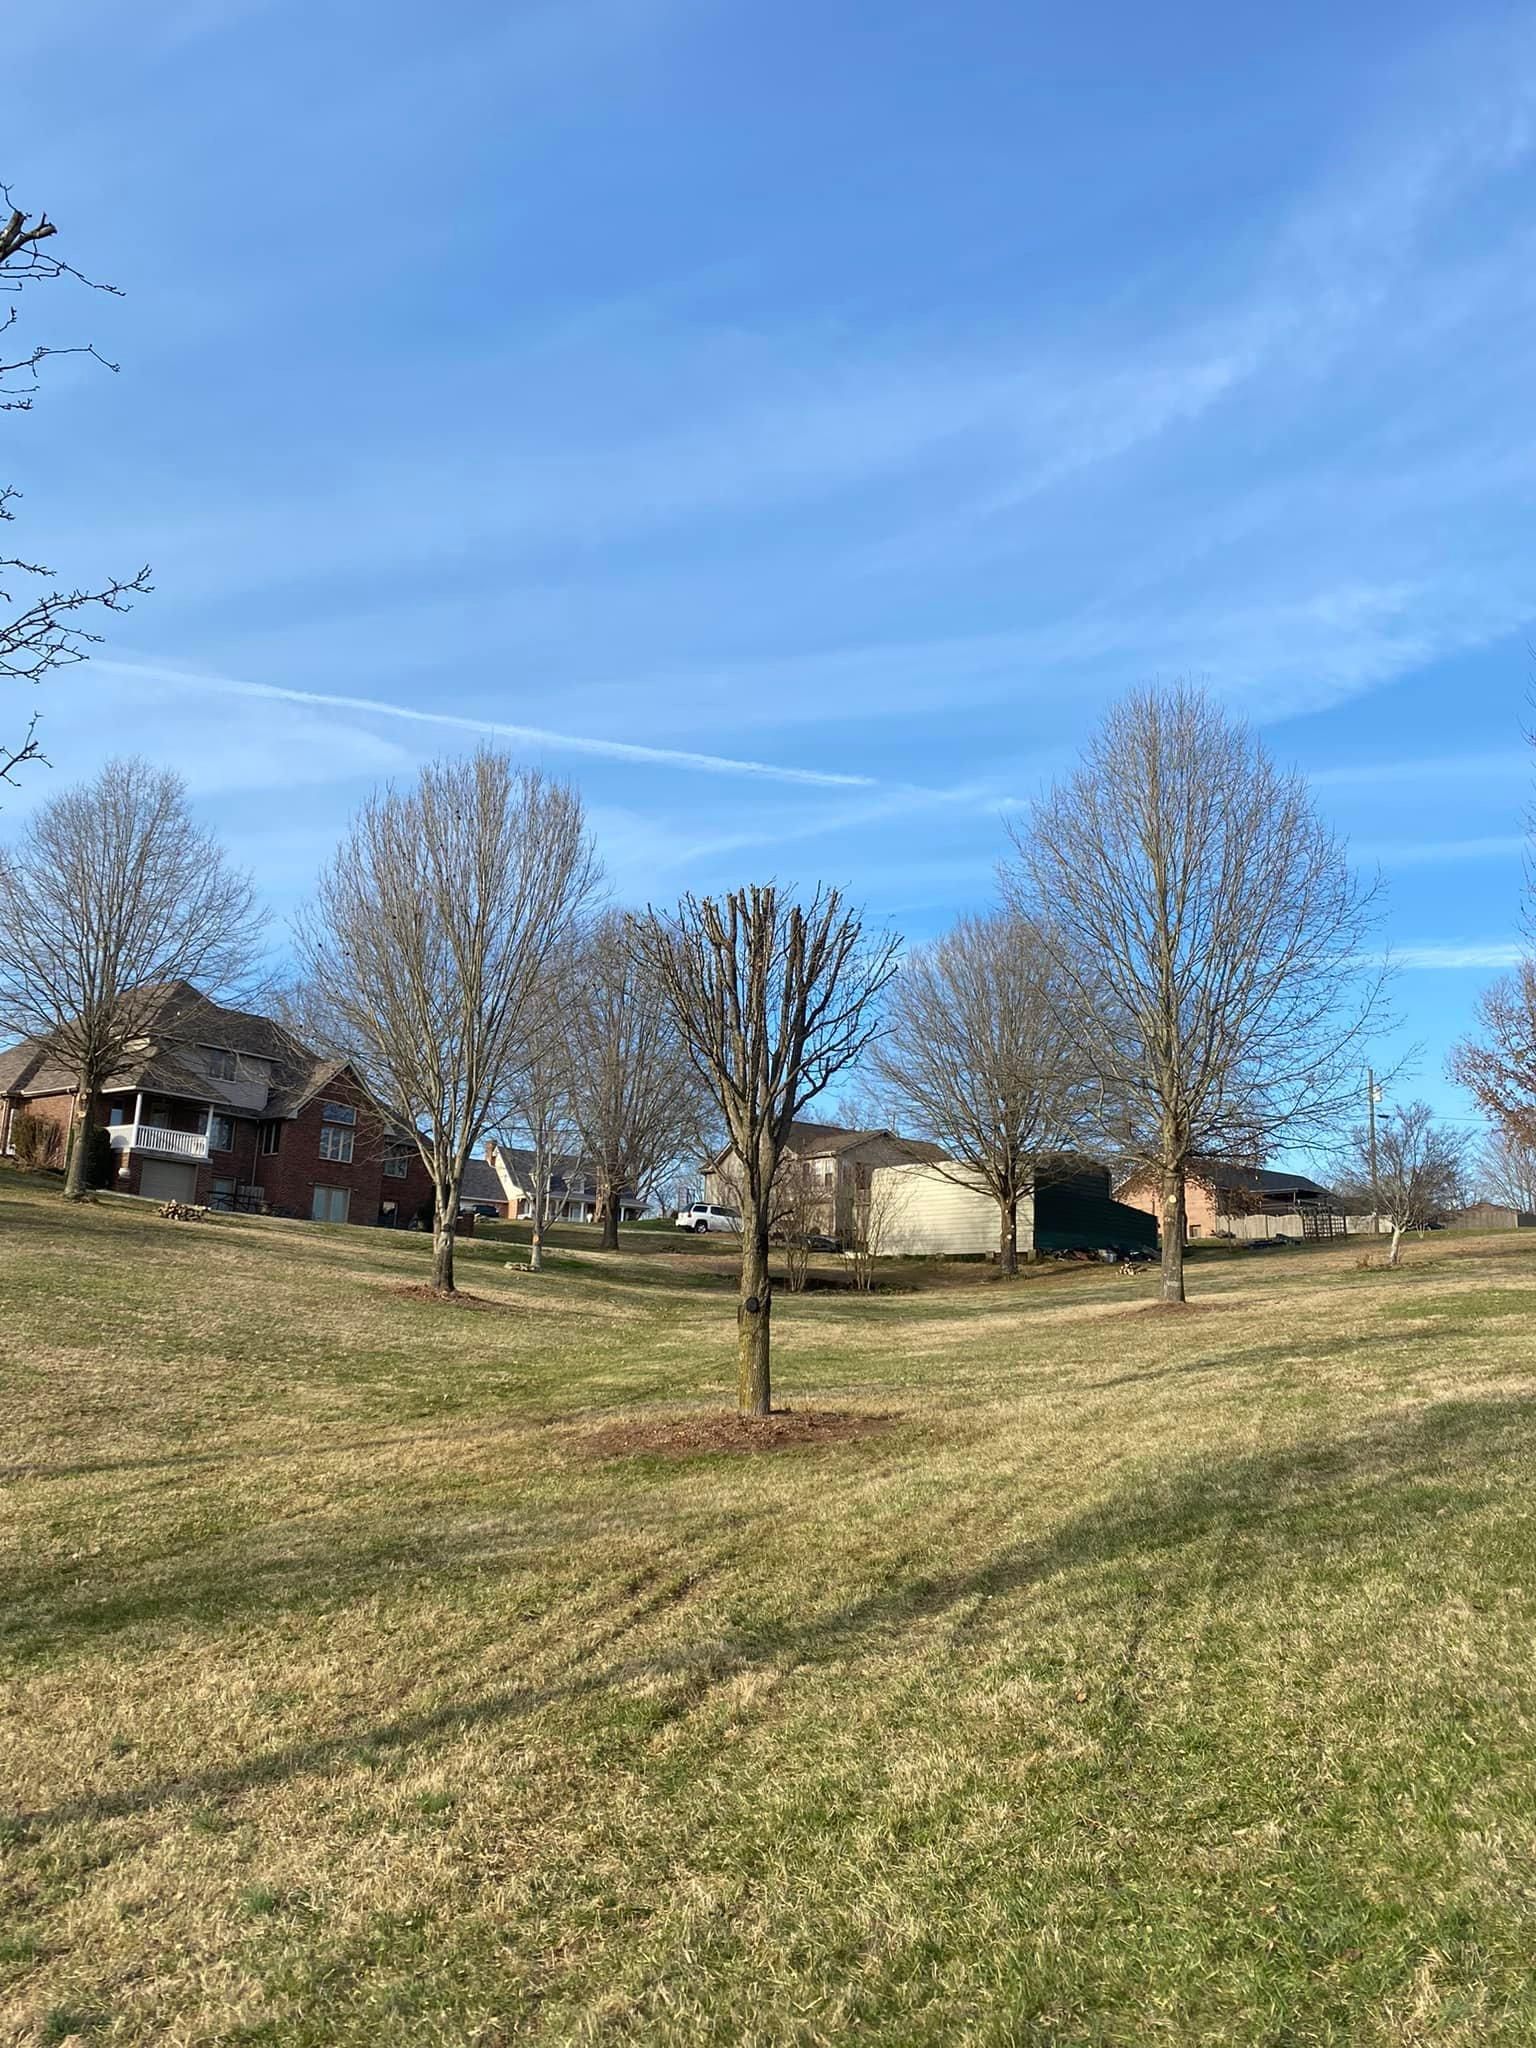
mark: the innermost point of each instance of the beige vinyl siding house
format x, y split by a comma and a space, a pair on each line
837, 1163
919, 1212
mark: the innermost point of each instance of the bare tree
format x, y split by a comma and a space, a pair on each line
1420, 1169
799, 1215
40, 630
774, 999
429, 944
113, 893
1497, 1065
879, 1202
1214, 935
539, 1109
634, 1091
982, 1055
1506, 1170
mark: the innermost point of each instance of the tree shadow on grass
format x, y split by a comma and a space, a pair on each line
1335, 1494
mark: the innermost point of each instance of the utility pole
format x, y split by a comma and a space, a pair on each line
1372, 1097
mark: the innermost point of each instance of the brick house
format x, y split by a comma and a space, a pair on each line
1244, 1202
228, 1108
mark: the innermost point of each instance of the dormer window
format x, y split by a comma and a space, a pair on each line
222, 1065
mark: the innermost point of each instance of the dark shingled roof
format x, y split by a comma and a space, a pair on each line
481, 1183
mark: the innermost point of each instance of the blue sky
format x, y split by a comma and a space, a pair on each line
799, 422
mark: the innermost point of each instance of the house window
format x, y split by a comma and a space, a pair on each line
271, 1137
335, 1143
397, 1160
222, 1065
338, 1113
117, 1115
221, 1133
329, 1205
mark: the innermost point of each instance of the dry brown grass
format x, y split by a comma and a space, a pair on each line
1151, 1679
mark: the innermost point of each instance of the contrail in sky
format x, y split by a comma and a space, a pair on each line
529, 735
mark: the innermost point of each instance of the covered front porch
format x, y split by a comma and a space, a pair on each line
165, 1127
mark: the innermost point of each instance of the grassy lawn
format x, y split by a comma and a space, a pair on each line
1145, 1679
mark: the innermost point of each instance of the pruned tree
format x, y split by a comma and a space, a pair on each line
1420, 1171
112, 893
1215, 939
41, 621
634, 1092
982, 1055
429, 943
774, 999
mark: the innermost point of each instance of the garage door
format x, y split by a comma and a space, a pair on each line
168, 1180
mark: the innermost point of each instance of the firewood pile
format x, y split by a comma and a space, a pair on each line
183, 1212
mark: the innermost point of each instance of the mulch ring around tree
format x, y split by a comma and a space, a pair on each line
419, 1290
712, 1431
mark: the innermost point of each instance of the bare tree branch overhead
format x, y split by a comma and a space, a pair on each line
982, 1054
113, 896
430, 945
42, 621
1217, 943
774, 999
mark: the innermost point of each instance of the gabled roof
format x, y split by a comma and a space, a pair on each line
1244, 1180
1253, 1180
481, 1183
827, 1141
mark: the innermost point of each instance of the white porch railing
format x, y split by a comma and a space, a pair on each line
152, 1138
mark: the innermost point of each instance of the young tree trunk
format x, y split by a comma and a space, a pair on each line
608, 1214
1008, 1235
78, 1143
444, 1215
753, 1314
1173, 1235
536, 1241
1395, 1255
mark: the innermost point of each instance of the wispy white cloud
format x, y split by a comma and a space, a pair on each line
1492, 953
541, 737
1401, 853
1505, 763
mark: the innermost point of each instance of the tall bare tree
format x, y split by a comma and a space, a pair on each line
429, 945
1506, 1171
774, 999
634, 1091
113, 892
41, 629
982, 1056
1496, 1064
1216, 939
539, 1108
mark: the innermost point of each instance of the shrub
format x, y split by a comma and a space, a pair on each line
100, 1159
38, 1141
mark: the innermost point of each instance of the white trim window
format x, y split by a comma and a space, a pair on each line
329, 1205
336, 1144
221, 1134
397, 1161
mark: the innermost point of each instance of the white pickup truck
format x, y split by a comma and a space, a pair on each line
709, 1216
